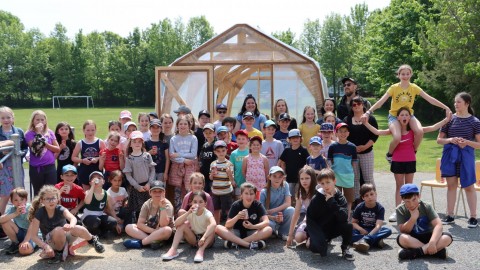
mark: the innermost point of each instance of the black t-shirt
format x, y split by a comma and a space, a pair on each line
360, 134
367, 217
206, 157
200, 139
159, 158
255, 213
294, 161
48, 224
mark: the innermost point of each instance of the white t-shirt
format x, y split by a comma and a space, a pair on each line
118, 197
199, 224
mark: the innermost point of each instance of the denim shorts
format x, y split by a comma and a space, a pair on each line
392, 118
21, 236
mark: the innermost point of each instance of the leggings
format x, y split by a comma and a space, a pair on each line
97, 225
42, 175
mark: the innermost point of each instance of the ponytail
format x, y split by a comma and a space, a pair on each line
467, 98
33, 208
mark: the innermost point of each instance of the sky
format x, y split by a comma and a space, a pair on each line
122, 16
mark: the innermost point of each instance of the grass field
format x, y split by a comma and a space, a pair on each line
429, 149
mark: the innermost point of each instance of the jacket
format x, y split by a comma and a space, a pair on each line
453, 154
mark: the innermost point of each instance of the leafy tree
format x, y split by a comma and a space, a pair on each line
310, 41
287, 37
198, 32
60, 64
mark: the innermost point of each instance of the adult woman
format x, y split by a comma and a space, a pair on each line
364, 140
328, 106
460, 137
282, 107
250, 105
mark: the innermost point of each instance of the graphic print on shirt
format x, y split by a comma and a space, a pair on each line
91, 152
64, 154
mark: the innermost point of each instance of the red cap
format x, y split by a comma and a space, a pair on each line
241, 132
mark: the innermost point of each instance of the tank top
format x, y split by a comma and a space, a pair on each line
255, 172
96, 207
89, 150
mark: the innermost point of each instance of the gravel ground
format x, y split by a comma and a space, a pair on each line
276, 255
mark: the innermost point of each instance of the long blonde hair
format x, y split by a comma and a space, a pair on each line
36, 203
32, 126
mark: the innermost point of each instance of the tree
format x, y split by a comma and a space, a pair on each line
355, 27
287, 37
198, 32
60, 64
309, 41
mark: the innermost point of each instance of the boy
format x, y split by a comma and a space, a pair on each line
222, 134
282, 134
271, 148
316, 160
342, 156
230, 123
327, 217
367, 221
237, 157
326, 132
248, 120
72, 196
293, 159
221, 175
203, 119
221, 110
207, 156
421, 230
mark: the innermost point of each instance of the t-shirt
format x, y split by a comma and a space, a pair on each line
199, 223
317, 163
272, 150
424, 221
255, 132
40, 155
139, 169
21, 220
402, 97
160, 158
282, 136
465, 128
260, 119
206, 157
294, 161
112, 159
236, 158
186, 202
48, 224
367, 217
360, 134
277, 196
118, 197
71, 199
221, 184
151, 214
255, 213
341, 156
405, 150
308, 132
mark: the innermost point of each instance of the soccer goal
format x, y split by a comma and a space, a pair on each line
56, 101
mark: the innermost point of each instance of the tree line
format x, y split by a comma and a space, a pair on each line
439, 39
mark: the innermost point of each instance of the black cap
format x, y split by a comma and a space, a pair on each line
284, 116
349, 79
204, 112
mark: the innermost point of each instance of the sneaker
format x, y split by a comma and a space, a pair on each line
157, 244
12, 249
131, 243
388, 157
257, 245
407, 254
393, 217
381, 244
96, 244
442, 254
448, 220
472, 222
361, 246
228, 244
347, 254
57, 258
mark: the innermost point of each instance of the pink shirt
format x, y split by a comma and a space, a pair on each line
405, 150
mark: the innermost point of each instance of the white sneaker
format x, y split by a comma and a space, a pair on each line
393, 217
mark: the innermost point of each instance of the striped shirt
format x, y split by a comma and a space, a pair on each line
221, 184
465, 128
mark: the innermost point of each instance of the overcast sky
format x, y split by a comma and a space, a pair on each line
121, 16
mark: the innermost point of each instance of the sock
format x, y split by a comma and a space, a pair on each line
389, 155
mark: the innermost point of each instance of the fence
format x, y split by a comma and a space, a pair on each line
16, 154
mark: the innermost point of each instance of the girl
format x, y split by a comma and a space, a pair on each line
282, 107
304, 195
277, 200
111, 157
329, 117
43, 146
329, 106
461, 134
255, 165
143, 121
197, 183
250, 105
198, 232
158, 148
167, 126
128, 128
57, 235
116, 126
247, 223
182, 151
66, 141
139, 170
119, 196
89, 150
403, 164
403, 95
308, 127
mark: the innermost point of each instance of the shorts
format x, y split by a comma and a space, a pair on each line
392, 118
457, 171
238, 233
21, 236
400, 167
424, 238
222, 202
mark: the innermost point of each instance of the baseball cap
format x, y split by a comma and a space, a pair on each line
137, 134
156, 122
284, 116
204, 112
241, 132
275, 169
348, 79
316, 139
125, 127
222, 129
219, 143
95, 173
408, 189
326, 127
153, 114
69, 168
125, 114
157, 185
221, 106
209, 126
294, 133
340, 125
269, 123
248, 114
183, 109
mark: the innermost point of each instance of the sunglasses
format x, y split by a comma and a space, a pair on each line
222, 112
347, 84
356, 104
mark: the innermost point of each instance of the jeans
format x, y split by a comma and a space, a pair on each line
284, 226
373, 239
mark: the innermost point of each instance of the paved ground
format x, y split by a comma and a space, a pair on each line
463, 253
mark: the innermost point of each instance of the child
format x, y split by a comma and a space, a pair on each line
116, 126
327, 217
182, 151
152, 115
326, 132
15, 222
43, 146
203, 119
330, 118
207, 155
282, 134
119, 197
125, 117
421, 231
403, 95
111, 157
139, 171
308, 128
403, 165
155, 222
367, 221
247, 223
221, 110
223, 183
316, 160
99, 216
277, 200
223, 134
293, 159
237, 157
89, 150
271, 147
167, 126
248, 120
230, 123
197, 183
158, 149
143, 121
255, 165
198, 232
128, 128
304, 195
57, 235
66, 141
342, 156
72, 196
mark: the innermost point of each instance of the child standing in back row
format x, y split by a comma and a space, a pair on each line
271, 147
308, 128
66, 141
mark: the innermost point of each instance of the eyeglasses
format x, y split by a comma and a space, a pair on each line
222, 112
51, 199
347, 84
356, 104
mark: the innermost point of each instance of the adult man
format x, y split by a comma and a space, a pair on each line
350, 88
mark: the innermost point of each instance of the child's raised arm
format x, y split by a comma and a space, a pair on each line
374, 130
375, 106
439, 124
434, 101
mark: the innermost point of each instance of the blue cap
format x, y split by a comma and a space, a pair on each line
294, 133
222, 129
408, 189
275, 169
69, 168
316, 139
269, 123
326, 127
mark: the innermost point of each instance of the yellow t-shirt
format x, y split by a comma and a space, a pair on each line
403, 97
255, 132
307, 133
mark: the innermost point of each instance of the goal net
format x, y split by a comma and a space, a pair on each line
71, 101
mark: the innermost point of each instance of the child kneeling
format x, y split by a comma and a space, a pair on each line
247, 223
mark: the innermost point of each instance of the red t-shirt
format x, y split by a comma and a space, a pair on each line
112, 159
71, 200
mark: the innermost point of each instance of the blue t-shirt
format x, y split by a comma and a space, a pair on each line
281, 136
367, 217
236, 158
277, 196
317, 163
341, 156
260, 119
22, 220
